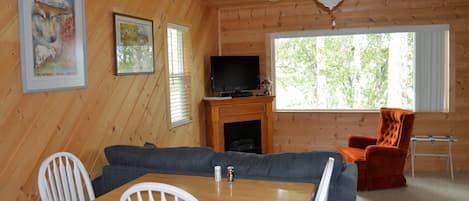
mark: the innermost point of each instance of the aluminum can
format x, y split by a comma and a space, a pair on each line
230, 173
217, 171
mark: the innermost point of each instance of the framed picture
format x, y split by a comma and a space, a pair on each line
134, 45
52, 37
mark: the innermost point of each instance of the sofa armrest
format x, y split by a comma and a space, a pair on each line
385, 159
345, 187
97, 186
360, 141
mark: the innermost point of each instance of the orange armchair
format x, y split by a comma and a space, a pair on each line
381, 160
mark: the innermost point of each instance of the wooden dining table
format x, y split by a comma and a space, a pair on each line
207, 189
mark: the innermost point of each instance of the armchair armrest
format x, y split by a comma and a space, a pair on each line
385, 159
360, 141
375, 151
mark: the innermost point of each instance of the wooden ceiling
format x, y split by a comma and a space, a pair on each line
240, 3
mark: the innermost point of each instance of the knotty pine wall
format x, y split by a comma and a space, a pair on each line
244, 30
111, 110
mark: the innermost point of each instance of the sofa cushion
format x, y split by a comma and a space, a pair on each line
175, 158
245, 164
116, 175
284, 166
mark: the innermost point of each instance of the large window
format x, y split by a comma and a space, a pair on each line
362, 69
179, 75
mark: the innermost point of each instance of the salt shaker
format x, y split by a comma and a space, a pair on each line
217, 173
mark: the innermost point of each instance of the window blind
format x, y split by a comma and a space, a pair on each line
431, 71
179, 77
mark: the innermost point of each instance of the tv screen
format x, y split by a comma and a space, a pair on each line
234, 73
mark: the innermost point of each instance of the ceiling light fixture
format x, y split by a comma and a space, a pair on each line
331, 4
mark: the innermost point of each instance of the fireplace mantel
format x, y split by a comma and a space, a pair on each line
242, 109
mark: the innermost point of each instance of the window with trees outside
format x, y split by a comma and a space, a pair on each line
362, 69
179, 74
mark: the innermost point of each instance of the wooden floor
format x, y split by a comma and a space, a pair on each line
424, 187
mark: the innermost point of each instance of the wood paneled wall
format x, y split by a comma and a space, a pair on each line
112, 109
244, 30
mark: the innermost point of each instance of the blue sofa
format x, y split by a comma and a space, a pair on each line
129, 162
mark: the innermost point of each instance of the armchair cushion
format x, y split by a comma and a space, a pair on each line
351, 154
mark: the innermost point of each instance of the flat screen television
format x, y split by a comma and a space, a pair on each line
234, 74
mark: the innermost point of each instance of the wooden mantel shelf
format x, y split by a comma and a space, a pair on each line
242, 109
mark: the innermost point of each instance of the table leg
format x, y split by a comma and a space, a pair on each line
412, 157
450, 158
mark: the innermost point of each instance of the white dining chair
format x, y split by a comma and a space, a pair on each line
62, 177
323, 188
149, 188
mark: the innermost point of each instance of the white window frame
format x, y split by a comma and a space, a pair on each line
185, 117
420, 85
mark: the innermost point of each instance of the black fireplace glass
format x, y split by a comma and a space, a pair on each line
243, 136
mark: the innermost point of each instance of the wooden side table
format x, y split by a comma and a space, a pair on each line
429, 138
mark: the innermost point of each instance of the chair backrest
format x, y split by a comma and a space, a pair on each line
395, 127
62, 176
322, 191
147, 189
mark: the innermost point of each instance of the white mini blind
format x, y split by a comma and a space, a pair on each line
431, 74
179, 76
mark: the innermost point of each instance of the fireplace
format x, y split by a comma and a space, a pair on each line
243, 136
235, 116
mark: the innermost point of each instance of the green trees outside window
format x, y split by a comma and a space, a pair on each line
344, 72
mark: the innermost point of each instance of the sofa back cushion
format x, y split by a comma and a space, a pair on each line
196, 159
301, 166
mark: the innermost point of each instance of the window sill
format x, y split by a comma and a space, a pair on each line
180, 123
325, 111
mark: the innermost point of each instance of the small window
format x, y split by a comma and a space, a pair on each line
179, 75
362, 69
